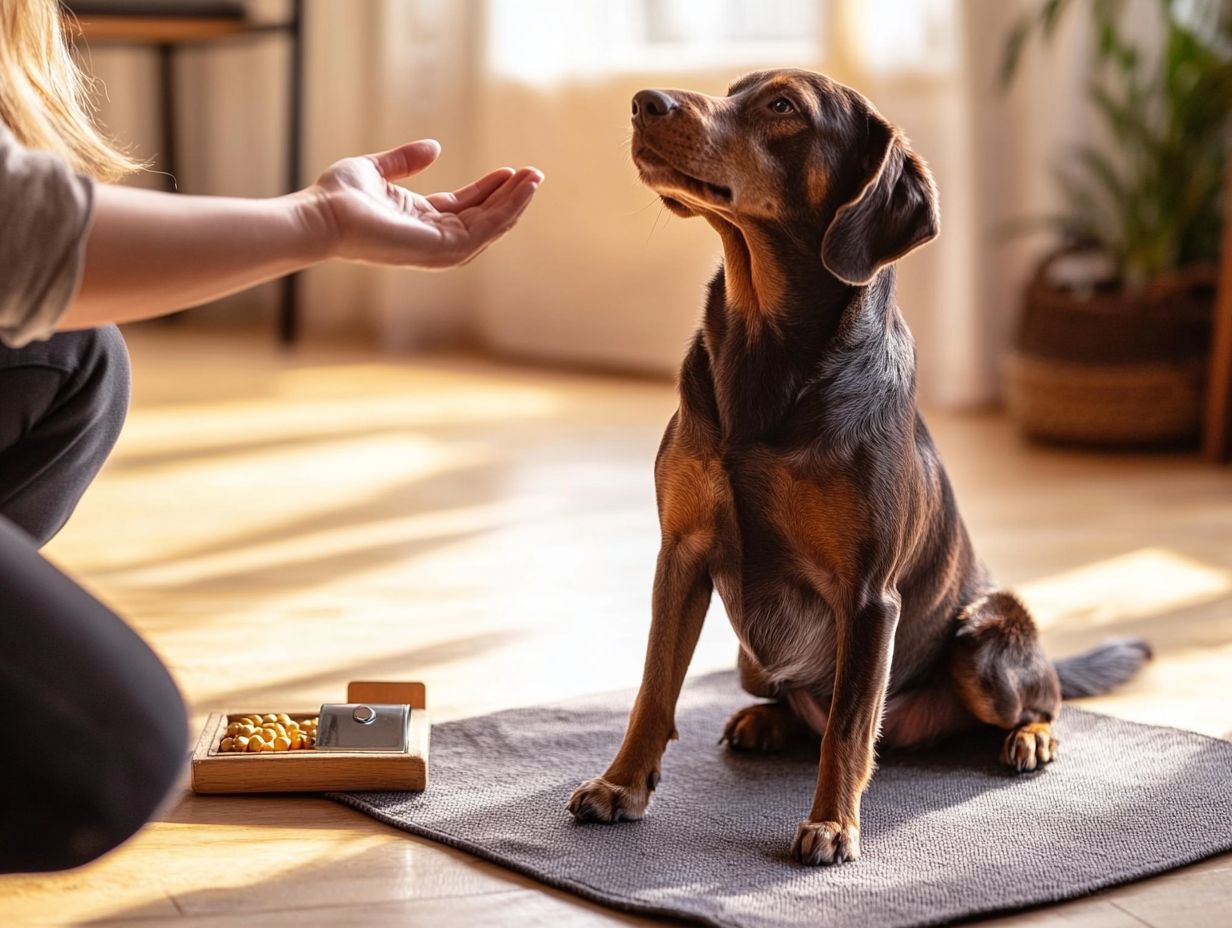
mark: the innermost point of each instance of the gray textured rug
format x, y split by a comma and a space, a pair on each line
945, 835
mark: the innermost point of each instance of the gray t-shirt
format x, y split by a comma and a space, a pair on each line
44, 217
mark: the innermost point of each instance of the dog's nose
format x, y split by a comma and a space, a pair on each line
649, 103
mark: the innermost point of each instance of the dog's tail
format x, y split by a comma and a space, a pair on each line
1103, 667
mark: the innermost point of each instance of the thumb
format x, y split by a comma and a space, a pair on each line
406, 160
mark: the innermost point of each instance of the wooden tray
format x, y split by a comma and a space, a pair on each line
314, 771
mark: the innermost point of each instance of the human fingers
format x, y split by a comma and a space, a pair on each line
407, 159
473, 193
501, 211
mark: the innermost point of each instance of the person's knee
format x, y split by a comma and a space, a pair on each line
84, 382
105, 377
93, 390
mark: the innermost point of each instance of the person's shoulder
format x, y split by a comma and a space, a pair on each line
13, 154
31, 170
8, 142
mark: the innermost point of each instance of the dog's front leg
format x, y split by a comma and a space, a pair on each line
681, 596
831, 835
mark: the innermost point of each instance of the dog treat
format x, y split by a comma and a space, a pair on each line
255, 734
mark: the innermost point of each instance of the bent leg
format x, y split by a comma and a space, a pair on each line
100, 725
62, 404
1003, 678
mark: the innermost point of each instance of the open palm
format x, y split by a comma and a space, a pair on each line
370, 218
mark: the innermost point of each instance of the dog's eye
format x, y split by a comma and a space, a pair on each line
782, 105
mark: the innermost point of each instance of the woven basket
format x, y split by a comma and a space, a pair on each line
1108, 404
1112, 368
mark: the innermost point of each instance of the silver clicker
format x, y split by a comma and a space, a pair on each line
363, 727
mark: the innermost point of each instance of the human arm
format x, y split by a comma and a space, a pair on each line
150, 253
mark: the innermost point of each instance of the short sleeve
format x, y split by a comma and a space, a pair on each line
45, 212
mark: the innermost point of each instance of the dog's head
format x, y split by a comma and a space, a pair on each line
795, 149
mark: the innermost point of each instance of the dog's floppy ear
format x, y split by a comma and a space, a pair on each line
894, 212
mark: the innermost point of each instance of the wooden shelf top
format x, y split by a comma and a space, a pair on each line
161, 30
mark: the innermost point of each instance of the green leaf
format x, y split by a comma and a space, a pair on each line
1103, 171
1014, 46
1050, 15
1088, 209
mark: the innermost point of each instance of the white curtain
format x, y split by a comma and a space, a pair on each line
597, 273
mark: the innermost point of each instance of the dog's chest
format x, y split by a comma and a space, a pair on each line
786, 627
785, 560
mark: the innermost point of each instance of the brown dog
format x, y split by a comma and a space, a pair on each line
798, 478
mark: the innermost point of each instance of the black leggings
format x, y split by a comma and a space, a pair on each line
92, 729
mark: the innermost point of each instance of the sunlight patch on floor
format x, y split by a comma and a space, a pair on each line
117, 889
223, 423
1142, 583
305, 545
263, 493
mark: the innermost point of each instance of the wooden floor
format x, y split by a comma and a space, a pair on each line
279, 525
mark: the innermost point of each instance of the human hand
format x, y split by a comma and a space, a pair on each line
364, 216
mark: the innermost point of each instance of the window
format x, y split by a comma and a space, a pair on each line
727, 28
543, 40
904, 36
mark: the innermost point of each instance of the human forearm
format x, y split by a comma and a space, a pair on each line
150, 253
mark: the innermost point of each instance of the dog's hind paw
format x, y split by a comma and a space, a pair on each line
763, 728
600, 800
1029, 747
825, 843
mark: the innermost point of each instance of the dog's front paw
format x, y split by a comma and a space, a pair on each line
1029, 747
600, 800
826, 843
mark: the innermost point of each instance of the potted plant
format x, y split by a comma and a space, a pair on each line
1113, 340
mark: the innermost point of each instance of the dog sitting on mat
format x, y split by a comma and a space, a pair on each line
798, 479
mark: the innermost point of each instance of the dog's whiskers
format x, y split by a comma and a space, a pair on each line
655, 225
645, 206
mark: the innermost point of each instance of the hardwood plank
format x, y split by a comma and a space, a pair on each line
1081, 913
244, 857
523, 907
1190, 898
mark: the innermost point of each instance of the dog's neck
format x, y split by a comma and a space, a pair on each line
771, 276
778, 323
755, 272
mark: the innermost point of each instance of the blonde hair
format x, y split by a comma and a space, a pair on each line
45, 100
